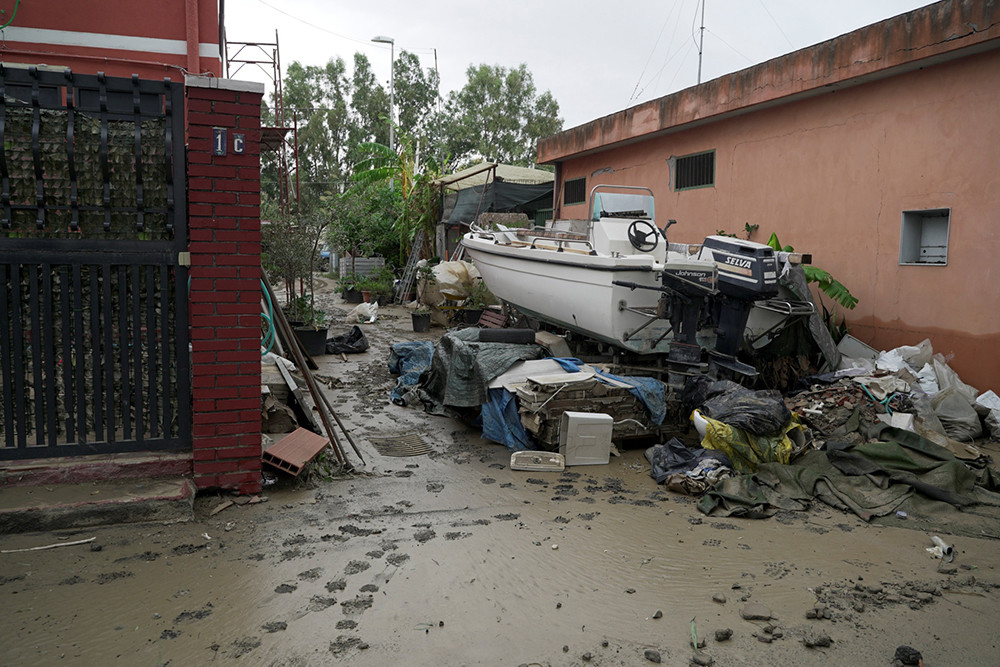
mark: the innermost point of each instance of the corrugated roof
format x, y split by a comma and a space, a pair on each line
482, 173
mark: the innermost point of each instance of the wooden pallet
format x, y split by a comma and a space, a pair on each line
493, 319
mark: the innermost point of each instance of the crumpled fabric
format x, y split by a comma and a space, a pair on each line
903, 471
673, 457
698, 480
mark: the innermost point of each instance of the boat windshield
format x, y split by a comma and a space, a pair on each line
621, 205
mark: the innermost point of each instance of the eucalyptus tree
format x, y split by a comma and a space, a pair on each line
499, 115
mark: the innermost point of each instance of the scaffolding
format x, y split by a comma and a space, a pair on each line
280, 138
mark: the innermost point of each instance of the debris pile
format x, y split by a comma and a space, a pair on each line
543, 400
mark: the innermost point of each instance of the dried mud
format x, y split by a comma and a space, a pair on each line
464, 561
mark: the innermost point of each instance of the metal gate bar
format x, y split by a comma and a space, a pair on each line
94, 352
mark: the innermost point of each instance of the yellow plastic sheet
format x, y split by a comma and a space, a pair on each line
746, 450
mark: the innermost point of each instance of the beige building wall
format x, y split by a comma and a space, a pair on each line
832, 175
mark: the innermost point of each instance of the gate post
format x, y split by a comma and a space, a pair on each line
223, 172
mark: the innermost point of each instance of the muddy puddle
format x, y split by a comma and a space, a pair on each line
451, 558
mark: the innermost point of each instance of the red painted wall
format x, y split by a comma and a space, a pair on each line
118, 37
224, 224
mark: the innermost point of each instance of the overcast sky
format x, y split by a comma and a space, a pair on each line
595, 58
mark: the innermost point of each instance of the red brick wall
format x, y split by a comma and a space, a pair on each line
224, 228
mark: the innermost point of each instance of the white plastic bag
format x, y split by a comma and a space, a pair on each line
927, 380
948, 378
988, 407
363, 312
957, 415
916, 356
891, 361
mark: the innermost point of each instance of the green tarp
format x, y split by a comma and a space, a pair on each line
901, 472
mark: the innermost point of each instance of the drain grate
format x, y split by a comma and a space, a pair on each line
408, 444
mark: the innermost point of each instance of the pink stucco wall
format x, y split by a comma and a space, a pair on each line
832, 174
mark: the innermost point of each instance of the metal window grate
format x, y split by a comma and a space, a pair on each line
575, 191
695, 171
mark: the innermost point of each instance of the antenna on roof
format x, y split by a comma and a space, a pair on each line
701, 39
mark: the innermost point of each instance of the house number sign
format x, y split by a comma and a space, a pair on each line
219, 141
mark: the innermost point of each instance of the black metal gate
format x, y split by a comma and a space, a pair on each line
93, 302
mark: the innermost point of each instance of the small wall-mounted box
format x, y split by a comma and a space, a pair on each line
585, 438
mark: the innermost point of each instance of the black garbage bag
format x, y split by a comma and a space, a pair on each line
761, 412
349, 343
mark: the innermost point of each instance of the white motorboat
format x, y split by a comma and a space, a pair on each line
616, 279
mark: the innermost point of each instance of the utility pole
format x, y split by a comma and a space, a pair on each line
701, 39
440, 146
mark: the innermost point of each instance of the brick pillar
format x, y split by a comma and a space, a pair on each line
224, 224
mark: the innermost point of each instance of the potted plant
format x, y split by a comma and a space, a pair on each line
349, 288
479, 298
421, 319
377, 286
309, 324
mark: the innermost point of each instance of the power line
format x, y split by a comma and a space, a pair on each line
365, 42
735, 50
653, 50
776, 24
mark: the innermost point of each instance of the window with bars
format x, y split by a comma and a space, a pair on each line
575, 191
695, 171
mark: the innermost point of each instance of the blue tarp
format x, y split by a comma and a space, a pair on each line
408, 360
650, 391
502, 423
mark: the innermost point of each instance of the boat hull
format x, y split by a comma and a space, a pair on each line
576, 290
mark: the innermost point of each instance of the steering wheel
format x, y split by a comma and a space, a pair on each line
639, 233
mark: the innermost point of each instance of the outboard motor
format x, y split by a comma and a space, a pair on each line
748, 272
686, 286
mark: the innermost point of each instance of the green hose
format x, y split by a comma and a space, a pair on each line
268, 342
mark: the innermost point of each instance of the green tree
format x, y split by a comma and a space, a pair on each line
499, 115
416, 94
316, 98
361, 221
369, 109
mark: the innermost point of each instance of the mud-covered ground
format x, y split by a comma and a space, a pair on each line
451, 558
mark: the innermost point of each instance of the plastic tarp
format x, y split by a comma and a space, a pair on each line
462, 367
793, 278
650, 391
408, 361
748, 451
760, 412
502, 423
500, 196
456, 372
899, 472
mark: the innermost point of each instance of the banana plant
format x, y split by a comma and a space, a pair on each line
829, 285
418, 198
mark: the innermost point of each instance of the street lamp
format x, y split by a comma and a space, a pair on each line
382, 39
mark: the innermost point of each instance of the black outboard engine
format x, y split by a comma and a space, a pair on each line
687, 285
748, 272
